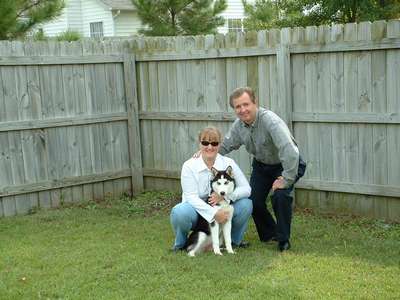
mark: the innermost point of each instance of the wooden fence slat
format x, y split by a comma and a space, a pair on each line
311, 77
47, 107
379, 100
393, 105
311, 81
109, 105
187, 116
365, 104
384, 44
8, 203
90, 191
299, 105
324, 130
64, 183
162, 135
154, 101
347, 46
204, 54
337, 107
62, 122
285, 85
62, 109
352, 188
352, 132
58, 60
133, 124
98, 100
348, 117
182, 130
35, 96
172, 106
75, 103
26, 165
119, 130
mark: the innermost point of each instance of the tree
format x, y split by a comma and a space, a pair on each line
266, 14
180, 17
17, 17
346, 11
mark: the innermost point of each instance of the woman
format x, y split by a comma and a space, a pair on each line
195, 180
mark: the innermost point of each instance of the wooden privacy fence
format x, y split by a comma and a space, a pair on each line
68, 125
337, 87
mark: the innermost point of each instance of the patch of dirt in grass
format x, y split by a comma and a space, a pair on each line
151, 203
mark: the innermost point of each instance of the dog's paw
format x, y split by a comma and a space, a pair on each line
218, 253
191, 254
230, 250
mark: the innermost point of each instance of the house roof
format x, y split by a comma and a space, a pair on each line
119, 4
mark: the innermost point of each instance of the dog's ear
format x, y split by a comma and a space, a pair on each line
229, 171
214, 171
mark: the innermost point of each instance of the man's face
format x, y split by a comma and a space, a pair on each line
245, 109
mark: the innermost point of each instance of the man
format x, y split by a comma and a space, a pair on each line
276, 164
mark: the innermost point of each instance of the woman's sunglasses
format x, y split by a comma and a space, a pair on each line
206, 143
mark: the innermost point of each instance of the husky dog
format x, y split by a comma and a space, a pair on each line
206, 234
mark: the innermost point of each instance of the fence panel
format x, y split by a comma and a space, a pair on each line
179, 97
66, 124
347, 119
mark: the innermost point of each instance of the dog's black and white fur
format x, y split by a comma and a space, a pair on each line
206, 234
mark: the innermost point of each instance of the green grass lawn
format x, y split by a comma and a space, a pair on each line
120, 250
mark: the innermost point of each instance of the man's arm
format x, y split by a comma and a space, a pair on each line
288, 154
231, 140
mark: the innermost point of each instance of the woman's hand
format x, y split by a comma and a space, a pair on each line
214, 199
221, 216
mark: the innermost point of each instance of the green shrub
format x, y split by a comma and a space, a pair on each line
69, 36
40, 36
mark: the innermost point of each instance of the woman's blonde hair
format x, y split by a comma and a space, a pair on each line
210, 133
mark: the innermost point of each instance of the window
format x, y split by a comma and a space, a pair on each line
235, 25
96, 29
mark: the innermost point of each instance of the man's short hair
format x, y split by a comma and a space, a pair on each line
239, 92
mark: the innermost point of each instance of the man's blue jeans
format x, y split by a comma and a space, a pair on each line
184, 218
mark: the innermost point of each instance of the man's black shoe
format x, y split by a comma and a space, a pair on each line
243, 244
283, 246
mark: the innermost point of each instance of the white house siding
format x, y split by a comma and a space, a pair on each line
95, 11
56, 26
234, 10
74, 14
126, 23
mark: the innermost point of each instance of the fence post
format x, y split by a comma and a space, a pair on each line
285, 78
135, 149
